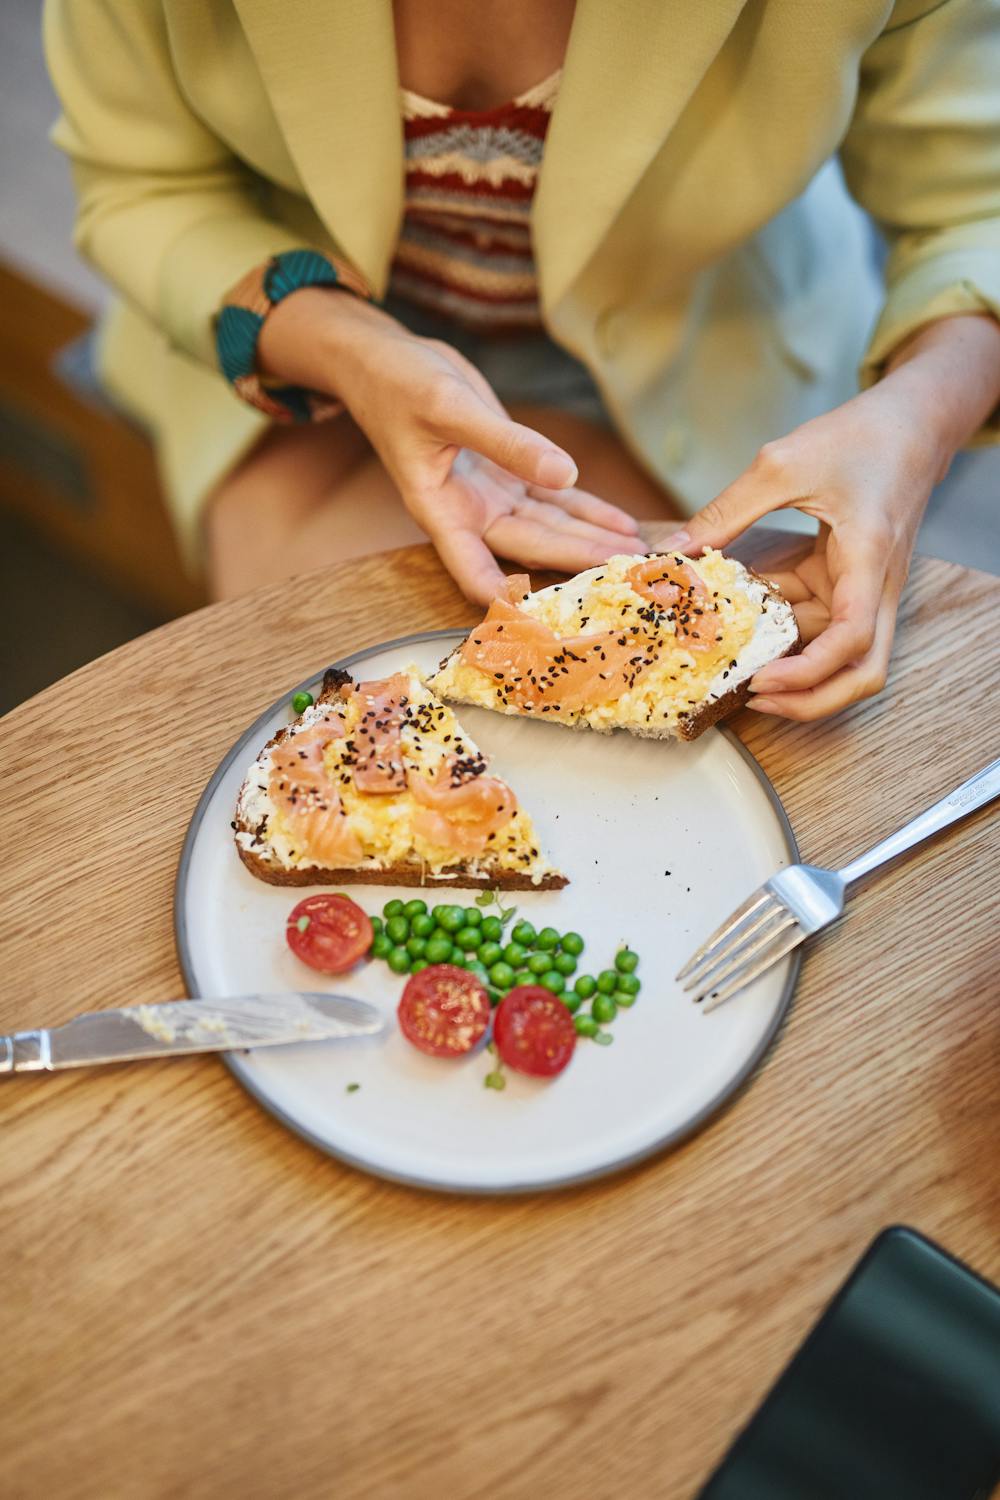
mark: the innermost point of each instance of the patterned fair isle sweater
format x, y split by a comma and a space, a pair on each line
465, 244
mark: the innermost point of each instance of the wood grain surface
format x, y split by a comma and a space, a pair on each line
196, 1303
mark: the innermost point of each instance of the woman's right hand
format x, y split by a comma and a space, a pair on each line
477, 482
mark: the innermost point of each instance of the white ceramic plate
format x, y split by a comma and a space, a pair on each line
661, 840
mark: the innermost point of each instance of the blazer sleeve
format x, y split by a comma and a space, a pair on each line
165, 211
922, 155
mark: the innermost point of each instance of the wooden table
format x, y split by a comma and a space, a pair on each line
195, 1303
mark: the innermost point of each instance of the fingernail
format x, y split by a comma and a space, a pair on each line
760, 705
556, 471
676, 542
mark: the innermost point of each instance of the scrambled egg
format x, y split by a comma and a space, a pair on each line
385, 822
600, 600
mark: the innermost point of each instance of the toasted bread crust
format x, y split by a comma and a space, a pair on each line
406, 874
409, 874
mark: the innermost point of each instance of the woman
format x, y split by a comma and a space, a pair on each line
623, 215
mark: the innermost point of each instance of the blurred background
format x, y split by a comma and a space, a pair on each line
87, 559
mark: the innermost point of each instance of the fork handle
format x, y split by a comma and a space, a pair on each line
965, 799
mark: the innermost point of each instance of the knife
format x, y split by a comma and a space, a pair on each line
183, 1026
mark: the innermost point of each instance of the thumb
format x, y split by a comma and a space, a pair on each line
754, 494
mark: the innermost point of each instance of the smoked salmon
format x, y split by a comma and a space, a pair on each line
534, 669
463, 815
307, 797
673, 585
378, 754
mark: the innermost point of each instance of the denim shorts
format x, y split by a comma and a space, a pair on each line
527, 367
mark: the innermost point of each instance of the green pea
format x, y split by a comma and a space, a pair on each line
585, 986
418, 964
502, 975
421, 924
397, 929
492, 929
302, 701
416, 908
565, 963
626, 962
438, 950
571, 1001
399, 961
547, 939
585, 1025
629, 984
623, 1000
468, 938
473, 916
490, 953
377, 925
553, 981
603, 1008
381, 946
524, 934
515, 954
438, 911
494, 995
572, 942
393, 909
607, 981
451, 918
480, 972
416, 947
524, 976
539, 963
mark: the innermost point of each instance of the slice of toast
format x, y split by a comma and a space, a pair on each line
377, 783
663, 646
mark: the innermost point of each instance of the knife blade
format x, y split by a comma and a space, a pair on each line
183, 1026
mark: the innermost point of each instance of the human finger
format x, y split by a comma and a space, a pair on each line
536, 545
850, 685
588, 507
470, 562
557, 519
457, 415
850, 634
767, 485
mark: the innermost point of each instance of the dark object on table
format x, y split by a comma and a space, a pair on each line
895, 1392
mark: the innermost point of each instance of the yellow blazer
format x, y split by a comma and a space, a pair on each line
695, 244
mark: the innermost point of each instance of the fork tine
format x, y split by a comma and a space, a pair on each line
739, 955
792, 938
732, 922
724, 953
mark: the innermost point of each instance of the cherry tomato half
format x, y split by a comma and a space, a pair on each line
444, 1010
329, 933
533, 1031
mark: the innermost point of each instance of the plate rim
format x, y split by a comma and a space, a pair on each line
234, 1061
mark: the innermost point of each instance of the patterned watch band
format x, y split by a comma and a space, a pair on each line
238, 326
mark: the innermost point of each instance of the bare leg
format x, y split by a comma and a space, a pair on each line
305, 496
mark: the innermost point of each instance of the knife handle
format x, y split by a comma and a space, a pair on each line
25, 1052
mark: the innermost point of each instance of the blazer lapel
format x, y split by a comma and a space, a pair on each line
630, 70
331, 75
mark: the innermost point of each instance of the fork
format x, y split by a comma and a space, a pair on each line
804, 899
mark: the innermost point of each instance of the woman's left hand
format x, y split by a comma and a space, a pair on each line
865, 471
